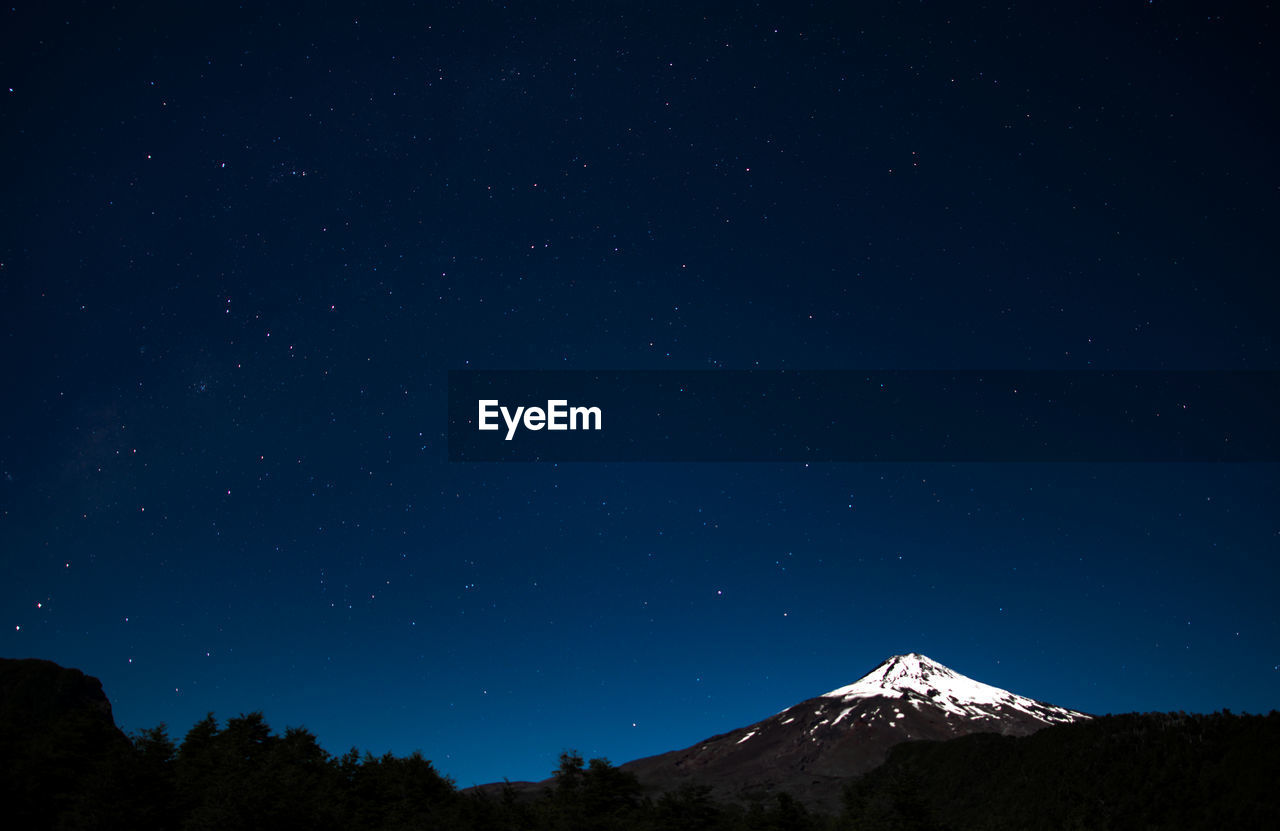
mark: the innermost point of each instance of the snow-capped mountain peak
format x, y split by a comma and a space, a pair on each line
815, 746
917, 679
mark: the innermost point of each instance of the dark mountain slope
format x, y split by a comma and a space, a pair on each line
810, 750
1153, 771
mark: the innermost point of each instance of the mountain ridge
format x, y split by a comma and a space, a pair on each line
813, 748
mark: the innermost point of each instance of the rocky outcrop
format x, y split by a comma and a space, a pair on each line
58, 743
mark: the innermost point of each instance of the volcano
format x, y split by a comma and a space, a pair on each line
810, 750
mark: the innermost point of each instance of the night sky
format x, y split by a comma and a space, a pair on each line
240, 249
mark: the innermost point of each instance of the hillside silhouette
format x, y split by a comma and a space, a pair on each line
64, 765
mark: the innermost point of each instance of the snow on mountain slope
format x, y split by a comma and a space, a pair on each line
812, 748
915, 678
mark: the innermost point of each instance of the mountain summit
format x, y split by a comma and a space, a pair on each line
810, 750
917, 680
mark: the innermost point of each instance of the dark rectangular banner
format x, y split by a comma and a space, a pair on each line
863, 416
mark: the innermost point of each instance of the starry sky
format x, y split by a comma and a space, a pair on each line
241, 247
